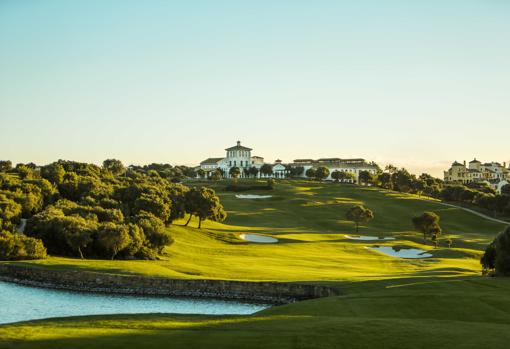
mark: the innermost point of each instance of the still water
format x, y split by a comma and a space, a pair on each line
19, 303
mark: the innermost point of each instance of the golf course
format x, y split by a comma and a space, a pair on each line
386, 301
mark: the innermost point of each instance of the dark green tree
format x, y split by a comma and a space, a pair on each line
15, 246
5, 165
497, 255
203, 203
359, 214
266, 170
54, 173
337, 175
311, 172
201, 173
155, 231
428, 225
321, 173
113, 238
253, 171
296, 171
114, 166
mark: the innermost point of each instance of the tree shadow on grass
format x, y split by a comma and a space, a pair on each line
152, 331
62, 266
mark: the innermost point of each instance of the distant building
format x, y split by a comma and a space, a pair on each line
236, 156
240, 156
492, 173
353, 166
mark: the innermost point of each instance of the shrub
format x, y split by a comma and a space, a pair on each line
497, 255
16, 247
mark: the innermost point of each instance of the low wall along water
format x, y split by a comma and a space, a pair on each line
272, 292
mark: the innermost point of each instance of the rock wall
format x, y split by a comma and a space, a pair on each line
269, 292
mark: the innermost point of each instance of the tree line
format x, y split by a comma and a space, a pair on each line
473, 194
87, 211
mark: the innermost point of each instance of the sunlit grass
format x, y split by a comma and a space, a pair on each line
437, 302
312, 244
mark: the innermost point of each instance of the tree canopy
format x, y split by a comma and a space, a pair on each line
497, 255
82, 210
359, 214
203, 203
428, 225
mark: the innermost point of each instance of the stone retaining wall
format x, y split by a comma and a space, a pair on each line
269, 292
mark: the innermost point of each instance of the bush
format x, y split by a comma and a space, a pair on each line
16, 247
80, 210
154, 230
497, 255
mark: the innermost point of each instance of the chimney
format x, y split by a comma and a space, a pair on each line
464, 163
238, 142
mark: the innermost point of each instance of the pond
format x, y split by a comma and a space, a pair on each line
252, 196
367, 238
20, 303
261, 239
402, 252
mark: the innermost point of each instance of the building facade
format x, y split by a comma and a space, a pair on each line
352, 166
241, 157
492, 173
237, 156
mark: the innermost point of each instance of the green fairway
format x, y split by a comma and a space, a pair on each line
309, 220
435, 302
438, 313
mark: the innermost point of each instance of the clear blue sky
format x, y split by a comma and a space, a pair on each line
415, 83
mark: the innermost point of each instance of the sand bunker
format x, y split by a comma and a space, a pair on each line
252, 196
401, 252
261, 239
367, 238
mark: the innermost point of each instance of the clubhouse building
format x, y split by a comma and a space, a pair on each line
241, 157
494, 174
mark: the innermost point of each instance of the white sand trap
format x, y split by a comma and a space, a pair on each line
261, 239
252, 196
367, 238
401, 252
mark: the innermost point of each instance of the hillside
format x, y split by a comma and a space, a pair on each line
439, 302
309, 221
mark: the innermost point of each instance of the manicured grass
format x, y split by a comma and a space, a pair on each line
388, 302
308, 219
439, 313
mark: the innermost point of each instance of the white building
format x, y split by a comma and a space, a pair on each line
352, 166
492, 173
240, 156
237, 156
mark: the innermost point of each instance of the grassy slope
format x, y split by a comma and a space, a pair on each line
308, 218
438, 302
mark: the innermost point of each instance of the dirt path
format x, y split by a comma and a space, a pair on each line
21, 228
469, 210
